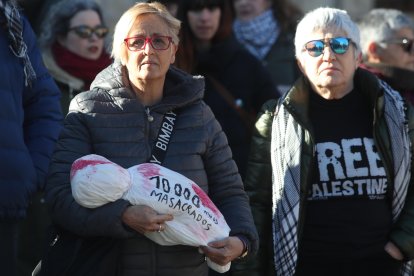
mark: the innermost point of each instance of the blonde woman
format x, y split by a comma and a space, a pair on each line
119, 119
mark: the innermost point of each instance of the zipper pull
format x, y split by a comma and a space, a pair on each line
149, 116
54, 240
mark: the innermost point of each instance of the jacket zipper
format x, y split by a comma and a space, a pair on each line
150, 118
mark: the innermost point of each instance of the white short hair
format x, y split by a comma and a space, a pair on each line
324, 19
382, 24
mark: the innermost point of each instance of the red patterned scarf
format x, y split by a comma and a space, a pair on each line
79, 67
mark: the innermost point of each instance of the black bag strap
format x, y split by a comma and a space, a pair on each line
247, 117
164, 136
73, 245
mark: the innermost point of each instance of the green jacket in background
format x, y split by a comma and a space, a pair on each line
258, 181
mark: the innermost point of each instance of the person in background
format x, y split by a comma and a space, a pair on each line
30, 120
119, 118
31, 9
110, 14
236, 83
387, 38
114, 10
266, 28
72, 43
172, 5
330, 172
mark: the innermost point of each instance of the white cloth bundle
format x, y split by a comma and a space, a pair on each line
96, 181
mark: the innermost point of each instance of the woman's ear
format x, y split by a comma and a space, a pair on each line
174, 52
300, 66
373, 52
358, 60
123, 56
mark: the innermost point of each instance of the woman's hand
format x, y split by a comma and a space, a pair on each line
144, 219
393, 251
223, 251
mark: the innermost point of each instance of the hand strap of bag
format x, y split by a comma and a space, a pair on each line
163, 139
247, 118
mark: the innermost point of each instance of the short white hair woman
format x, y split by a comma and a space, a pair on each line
340, 152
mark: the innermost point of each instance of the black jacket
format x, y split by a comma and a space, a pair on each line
110, 121
258, 183
246, 80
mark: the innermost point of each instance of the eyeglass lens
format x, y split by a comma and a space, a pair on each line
339, 45
407, 45
86, 32
139, 42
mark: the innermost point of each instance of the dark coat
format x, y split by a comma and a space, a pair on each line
69, 85
110, 121
258, 183
30, 122
281, 62
246, 80
399, 79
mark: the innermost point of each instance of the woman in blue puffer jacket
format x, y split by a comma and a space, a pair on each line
30, 119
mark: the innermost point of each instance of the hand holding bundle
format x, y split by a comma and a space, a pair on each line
96, 181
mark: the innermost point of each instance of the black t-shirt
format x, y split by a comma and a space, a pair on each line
348, 213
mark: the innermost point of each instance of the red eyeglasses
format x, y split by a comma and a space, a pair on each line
158, 42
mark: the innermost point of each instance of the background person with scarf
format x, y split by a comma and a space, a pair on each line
30, 120
329, 176
73, 46
387, 38
237, 84
266, 28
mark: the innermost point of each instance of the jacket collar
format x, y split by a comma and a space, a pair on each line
297, 98
58, 73
180, 88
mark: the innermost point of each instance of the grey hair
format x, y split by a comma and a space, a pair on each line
125, 23
326, 19
381, 24
57, 20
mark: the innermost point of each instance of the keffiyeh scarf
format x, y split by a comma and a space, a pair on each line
259, 34
14, 29
286, 157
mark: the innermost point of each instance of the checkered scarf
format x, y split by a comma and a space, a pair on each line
14, 28
287, 136
259, 34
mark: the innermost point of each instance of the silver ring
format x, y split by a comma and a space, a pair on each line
159, 229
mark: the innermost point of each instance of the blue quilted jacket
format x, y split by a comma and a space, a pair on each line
30, 121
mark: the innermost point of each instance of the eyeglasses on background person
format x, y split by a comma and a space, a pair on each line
339, 45
158, 42
84, 31
406, 43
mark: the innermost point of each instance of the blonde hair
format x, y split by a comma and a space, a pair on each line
125, 23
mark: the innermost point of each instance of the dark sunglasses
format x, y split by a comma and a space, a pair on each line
406, 43
86, 32
339, 45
